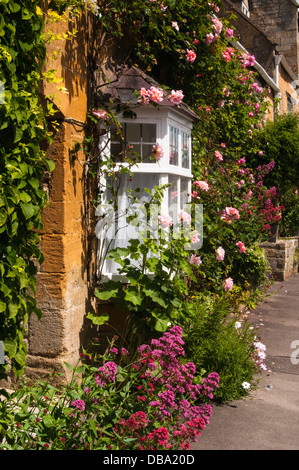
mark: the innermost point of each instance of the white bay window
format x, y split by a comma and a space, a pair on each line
169, 127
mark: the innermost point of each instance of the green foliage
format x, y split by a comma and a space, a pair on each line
279, 141
289, 225
214, 341
22, 165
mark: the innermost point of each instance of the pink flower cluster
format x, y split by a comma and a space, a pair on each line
185, 217
168, 392
156, 95
217, 26
153, 94
228, 54
79, 404
218, 156
106, 374
247, 60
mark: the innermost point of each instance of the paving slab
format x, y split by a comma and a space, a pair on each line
268, 418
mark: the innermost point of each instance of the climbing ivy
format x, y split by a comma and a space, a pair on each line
23, 128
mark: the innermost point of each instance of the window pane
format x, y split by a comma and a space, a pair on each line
116, 151
149, 133
174, 146
184, 191
173, 196
185, 150
133, 133
146, 152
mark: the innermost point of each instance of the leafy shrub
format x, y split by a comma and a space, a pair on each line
217, 340
290, 216
155, 400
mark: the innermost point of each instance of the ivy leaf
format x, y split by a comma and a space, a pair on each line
29, 210
49, 164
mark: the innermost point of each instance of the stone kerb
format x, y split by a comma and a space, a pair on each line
282, 257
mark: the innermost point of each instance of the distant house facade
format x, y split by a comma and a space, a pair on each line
269, 30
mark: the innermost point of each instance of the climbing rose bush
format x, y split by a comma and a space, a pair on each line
151, 400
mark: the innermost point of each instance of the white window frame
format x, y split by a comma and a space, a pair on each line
164, 118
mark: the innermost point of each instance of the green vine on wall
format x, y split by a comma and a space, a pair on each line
23, 128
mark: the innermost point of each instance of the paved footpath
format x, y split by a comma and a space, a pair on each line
268, 419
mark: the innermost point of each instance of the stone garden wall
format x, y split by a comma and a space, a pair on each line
282, 256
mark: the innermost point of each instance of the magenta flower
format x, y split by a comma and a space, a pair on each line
78, 404
106, 373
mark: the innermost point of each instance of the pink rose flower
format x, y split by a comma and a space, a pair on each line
228, 284
176, 96
229, 33
165, 220
195, 239
219, 156
190, 56
157, 152
195, 260
220, 254
230, 213
99, 113
202, 185
185, 217
209, 38
155, 94
241, 246
144, 96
